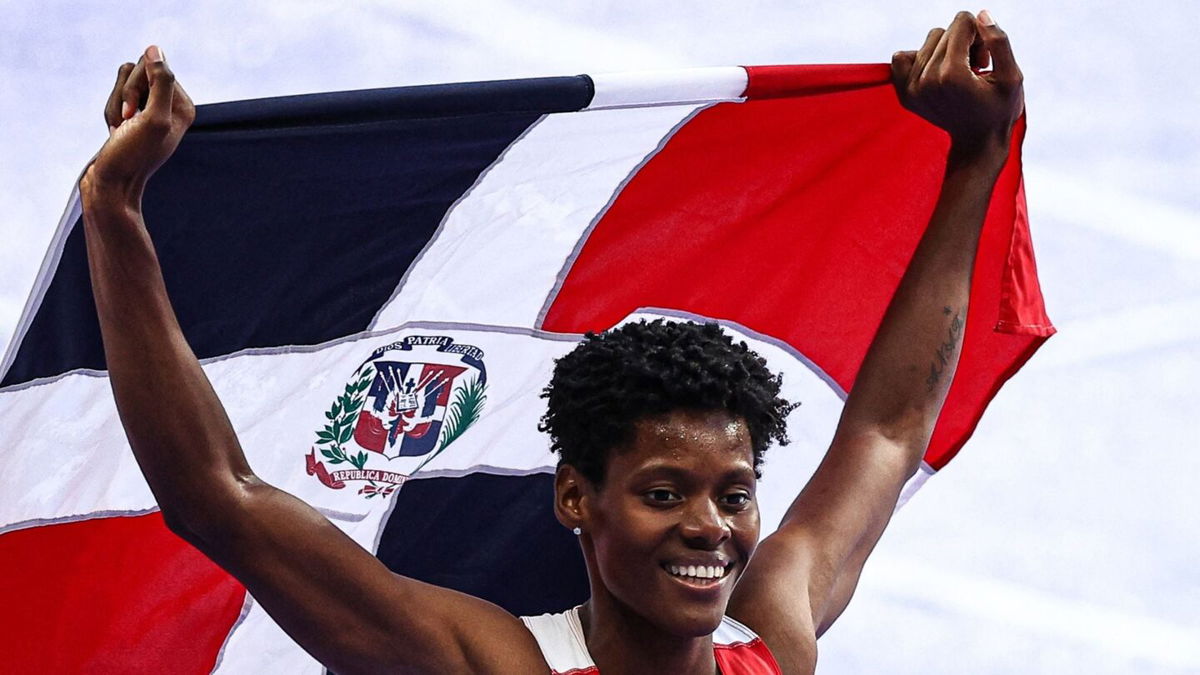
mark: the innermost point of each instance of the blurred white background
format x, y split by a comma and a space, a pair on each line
1066, 536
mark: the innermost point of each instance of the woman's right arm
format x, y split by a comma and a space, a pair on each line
272, 542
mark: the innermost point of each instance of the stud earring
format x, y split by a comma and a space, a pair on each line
577, 531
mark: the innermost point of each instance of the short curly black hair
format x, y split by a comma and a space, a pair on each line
603, 387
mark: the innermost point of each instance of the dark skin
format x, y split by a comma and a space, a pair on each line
682, 493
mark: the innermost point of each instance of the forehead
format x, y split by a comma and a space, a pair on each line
687, 439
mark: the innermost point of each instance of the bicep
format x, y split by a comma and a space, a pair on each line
807, 570
343, 605
847, 503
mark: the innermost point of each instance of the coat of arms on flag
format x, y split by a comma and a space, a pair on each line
408, 401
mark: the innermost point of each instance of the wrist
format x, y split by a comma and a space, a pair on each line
987, 152
103, 197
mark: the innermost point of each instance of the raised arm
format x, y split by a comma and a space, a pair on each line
802, 576
272, 542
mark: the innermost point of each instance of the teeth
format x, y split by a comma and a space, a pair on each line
698, 572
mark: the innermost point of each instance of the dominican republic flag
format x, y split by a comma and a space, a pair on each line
378, 283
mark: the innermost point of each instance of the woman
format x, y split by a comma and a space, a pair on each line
660, 492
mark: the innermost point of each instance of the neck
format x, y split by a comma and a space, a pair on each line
622, 642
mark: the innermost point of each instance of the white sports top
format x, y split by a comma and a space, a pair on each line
738, 649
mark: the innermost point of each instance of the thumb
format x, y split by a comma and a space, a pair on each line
162, 83
1004, 64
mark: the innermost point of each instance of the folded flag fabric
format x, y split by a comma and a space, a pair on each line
378, 282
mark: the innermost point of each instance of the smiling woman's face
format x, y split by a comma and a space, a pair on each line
675, 520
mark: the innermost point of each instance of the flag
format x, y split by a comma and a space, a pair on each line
378, 282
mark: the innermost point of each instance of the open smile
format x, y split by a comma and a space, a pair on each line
699, 576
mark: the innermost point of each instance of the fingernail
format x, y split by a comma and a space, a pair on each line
126, 110
986, 17
155, 54
111, 130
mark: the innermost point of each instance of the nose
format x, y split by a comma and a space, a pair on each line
703, 525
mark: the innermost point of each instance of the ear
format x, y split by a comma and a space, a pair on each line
571, 491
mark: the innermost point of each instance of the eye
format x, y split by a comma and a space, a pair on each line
662, 496
738, 499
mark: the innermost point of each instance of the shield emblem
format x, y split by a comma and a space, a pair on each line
405, 407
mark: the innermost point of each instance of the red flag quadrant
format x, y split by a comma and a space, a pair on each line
107, 595
796, 214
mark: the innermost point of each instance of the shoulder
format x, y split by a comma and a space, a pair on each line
475, 636
560, 638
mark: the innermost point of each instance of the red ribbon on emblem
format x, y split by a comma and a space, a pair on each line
314, 467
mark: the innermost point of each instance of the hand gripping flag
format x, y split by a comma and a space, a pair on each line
377, 283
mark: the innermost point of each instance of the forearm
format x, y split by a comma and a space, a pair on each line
833, 525
907, 371
176, 426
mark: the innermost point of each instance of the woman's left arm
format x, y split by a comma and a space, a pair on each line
803, 575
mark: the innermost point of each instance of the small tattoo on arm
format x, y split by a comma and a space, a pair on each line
941, 357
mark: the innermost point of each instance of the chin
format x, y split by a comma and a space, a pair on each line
688, 620
694, 625
690, 609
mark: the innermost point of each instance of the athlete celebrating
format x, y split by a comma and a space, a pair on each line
657, 479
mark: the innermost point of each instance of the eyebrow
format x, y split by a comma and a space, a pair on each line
741, 472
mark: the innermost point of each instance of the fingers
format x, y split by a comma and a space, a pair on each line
161, 82
112, 109
149, 85
136, 88
1004, 64
902, 65
980, 58
921, 60
959, 38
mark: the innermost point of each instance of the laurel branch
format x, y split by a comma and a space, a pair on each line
464, 411
342, 416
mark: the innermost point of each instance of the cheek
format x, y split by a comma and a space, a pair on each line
625, 534
746, 528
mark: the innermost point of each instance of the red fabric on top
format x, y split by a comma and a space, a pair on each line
111, 595
751, 658
795, 215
